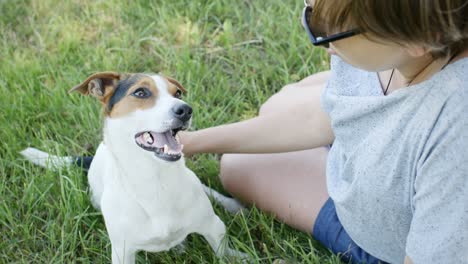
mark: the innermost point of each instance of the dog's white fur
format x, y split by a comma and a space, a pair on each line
147, 203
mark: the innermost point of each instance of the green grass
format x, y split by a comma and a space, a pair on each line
230, 55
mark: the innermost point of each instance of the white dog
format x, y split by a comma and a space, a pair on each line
149, 199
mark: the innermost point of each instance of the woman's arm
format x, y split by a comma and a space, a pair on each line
298, 126
439, 224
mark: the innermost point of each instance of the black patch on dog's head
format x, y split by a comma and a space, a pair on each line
122, 89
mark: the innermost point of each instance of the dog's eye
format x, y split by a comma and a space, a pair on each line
178, 94
142, 93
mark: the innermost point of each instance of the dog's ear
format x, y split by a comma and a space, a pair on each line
99, 85
176, 83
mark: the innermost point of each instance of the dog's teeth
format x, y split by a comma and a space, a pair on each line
148, 138
166, 148
177, 138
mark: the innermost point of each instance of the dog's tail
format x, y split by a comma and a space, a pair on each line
53, 162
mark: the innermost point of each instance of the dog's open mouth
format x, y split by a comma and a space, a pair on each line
165, 145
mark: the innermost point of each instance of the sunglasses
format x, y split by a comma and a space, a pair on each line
318, 37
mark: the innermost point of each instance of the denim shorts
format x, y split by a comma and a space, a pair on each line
329, 231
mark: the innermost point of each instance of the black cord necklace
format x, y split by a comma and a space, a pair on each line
389, 81
393, 71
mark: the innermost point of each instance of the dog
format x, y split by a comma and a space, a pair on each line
138, 179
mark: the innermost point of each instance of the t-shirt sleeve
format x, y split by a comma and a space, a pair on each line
439, 228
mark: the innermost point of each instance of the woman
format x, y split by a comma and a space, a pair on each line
393, 186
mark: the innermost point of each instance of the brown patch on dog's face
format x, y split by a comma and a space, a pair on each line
172, 89
175, 85
175, 88
138, 92
121, 94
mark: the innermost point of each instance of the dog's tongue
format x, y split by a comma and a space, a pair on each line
166, 138
158, 140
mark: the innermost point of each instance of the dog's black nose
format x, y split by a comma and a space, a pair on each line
183, 112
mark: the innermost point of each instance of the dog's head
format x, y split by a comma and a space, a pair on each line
144, 109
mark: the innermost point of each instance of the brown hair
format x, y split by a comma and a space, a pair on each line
440, 25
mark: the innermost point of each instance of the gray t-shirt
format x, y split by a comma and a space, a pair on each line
398, 168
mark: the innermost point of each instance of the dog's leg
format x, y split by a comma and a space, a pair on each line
214, 232
181, 248
122, 255
230, 204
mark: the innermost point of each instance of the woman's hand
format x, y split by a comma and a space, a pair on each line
184, 138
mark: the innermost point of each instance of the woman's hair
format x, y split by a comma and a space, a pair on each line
440, 25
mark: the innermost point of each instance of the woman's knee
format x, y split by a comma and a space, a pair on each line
232, 174
294, 92
268, 106
274, 103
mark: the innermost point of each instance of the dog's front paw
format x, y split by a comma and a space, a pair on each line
230, 204
233, 206
237, 257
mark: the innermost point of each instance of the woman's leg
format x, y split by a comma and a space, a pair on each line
290, 185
